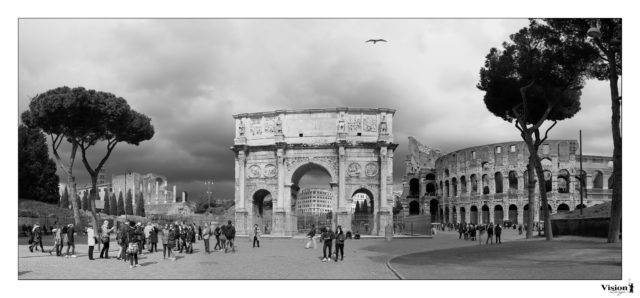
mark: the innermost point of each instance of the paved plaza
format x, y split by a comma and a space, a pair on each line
440, 257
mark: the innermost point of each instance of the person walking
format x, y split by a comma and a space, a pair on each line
57, 241
36, 238
206, 234
200, 232
183, 238
91, 241
105, 237
133, 236
498, 233
461, 231
231, 235
256, 235
216, 233
164, 237
519, 229
311, 236
466, 231
340, 237
194, 236
327, 238
489, 234
472, 232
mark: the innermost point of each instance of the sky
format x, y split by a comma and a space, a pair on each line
191, 75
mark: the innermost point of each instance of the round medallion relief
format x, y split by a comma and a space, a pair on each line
354, 169
371, 169
270, 171
254, 171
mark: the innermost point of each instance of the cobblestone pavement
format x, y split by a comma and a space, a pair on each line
275, 259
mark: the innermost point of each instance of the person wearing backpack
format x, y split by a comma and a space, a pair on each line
36, 238
498, 233
256, 235
105, 237
190, 234
489, 234
133, 247
121, 238
340, 237
70, 241
171, 240
57, 240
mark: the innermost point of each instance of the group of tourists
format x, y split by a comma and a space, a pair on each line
61, 235
327, 236
469, 231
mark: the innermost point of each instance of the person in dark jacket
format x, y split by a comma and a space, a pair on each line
340, 237
36, 238
123, 242
231, 235
223, 237
153, 238
498, 231
327, 237
189, 239
134, 241
311, 236
140, 238
217, 233
489, 234
461, 231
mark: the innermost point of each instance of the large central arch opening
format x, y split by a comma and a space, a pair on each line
362, 219
262, 205
312, 198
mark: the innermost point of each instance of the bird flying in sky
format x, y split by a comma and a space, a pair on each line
375, 40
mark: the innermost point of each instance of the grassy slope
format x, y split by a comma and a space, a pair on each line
43, 209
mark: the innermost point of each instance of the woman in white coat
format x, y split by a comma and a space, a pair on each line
91, 240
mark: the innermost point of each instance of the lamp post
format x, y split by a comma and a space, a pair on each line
127, 171
208, 183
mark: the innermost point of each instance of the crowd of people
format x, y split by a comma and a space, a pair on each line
135, 239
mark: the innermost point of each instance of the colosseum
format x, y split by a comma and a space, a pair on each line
486, 183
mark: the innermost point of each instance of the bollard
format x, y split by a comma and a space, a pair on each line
411, 229
388, 233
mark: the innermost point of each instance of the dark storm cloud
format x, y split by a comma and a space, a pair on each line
190, 76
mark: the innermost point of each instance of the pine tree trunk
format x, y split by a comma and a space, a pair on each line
531, 190
72, 186
616, 200
543, 194
92, 201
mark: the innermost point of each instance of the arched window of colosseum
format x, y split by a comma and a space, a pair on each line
474, 183
563, 208
446, 173
546, 162
430, 176
431, 189
485, 165
433, 209
474, 215
447, 190
498, 179
547, 181
597, 180
498, 149
454, 188
463, 182
414, 187
563, 181
512, 148
513, 181
485, 184
440, 190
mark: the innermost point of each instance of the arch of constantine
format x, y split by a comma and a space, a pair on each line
274, 150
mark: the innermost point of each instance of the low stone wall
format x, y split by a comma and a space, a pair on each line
590, 227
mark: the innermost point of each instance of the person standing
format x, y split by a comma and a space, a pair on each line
188, 238
489, 234
200, 232
133, 237
91, 240
472, 232
153, 238
105, 237
256, 235
519, 229
171, 240
223, 238
327, 238
231, 234
461, 231
147, 236
311, 236
57, 241
498, 233
121, 238
206, 234
340, 237
139, 233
